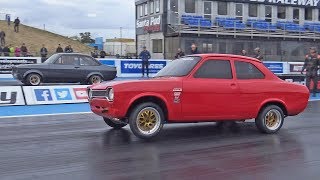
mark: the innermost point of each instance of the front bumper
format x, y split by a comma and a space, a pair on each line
104, 108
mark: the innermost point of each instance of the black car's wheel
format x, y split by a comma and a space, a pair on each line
270, 119
33, 79
146, 120
114, 124
95, 79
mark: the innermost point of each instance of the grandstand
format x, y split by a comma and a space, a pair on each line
284, 31
34, 38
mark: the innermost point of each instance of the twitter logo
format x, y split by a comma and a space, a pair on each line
63, 94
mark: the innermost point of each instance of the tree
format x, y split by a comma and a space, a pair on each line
86, 37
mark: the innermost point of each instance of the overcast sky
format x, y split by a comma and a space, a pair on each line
70, 17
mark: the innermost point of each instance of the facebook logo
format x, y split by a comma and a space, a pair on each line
43, 95
63, 94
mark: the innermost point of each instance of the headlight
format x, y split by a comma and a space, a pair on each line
89, 92
110, 94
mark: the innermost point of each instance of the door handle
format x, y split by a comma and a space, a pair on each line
76, 67
233, 84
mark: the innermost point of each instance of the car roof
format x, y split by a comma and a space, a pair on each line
73, 54
226, 55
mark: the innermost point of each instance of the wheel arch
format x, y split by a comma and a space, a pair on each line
276, 102
157, 99
32, 71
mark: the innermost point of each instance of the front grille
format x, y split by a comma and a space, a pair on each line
98, 94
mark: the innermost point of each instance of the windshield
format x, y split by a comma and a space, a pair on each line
51, 59
179, 67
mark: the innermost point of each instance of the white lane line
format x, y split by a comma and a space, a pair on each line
39, 115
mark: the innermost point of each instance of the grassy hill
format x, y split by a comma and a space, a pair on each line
34, 38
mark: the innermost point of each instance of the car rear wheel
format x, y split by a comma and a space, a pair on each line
95, 79
33, 79
146, 120
270, 119
114, 124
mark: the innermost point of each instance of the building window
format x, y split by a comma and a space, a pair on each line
268, 13
151, 7
157, 6
157, 45
140, 11
207, 9
190, 6
281, 12
319, 15
146, 9
296, 16
308, 14
222, 8
174, 5
253, 10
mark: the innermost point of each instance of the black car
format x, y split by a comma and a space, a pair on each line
65, 68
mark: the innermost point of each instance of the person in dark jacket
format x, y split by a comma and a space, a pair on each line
16, 24
24, 50
145, 56
43, 53
95, 54
68, 49
179, 54
258, 54
103, 54
2, 38
194, 49
59, 49
1, 50
6, 51
244, 53
312, 64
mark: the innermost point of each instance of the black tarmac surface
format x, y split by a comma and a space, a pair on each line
83, 147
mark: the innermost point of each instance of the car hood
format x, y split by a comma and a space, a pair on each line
143, 84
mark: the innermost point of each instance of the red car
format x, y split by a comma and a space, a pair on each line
203, 88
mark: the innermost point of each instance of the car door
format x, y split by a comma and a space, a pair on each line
87, 66
65, 69
211, 93
252, 85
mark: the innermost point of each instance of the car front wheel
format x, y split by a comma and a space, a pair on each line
146, 120
270, 119
113, 124
33, 79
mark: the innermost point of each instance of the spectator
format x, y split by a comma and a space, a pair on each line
194, 49
2, 38
145, 56
6, 51
8, 19
11, 50
16, 25
68, 49
258, 54
95, 54
243, 53
103, 54
24, 50
179, 54
59, 49
43, 53
17, 52
1, 50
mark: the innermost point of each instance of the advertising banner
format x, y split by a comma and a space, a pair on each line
275, 67
55, 94
6, 63
11, 95
295, 67
135, 67
107, 62
300, 3
149, 25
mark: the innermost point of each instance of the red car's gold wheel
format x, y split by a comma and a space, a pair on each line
148, 120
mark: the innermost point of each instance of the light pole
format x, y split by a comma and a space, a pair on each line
120, 41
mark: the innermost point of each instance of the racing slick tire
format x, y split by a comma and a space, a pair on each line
146, 120
33, 79
95, 79
270, 119
114, 124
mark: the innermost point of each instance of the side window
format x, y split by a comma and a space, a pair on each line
68, 60
86, 61
215, 69
246, 70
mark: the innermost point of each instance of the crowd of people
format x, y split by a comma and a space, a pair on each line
14, 51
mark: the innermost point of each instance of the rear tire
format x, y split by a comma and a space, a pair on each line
114, 124
146, 120
33, 79
270, 119
95, 79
